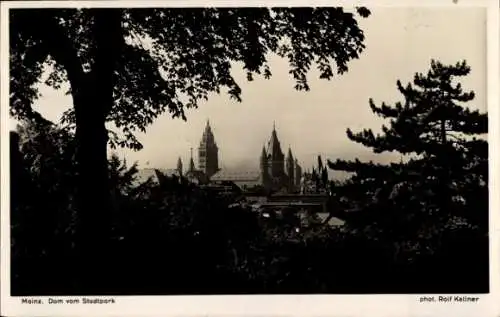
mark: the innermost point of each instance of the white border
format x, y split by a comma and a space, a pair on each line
493, 85
314, 305
248, 3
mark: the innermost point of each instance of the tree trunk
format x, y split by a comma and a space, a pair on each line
93, 193
93, 101
445, 181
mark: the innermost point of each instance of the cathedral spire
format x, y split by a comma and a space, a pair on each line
290, 169
289, 155
191, 162
179, 166
208, 161
274, 147
208, 128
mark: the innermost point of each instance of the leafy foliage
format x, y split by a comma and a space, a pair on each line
43, 211
126, 67
170, 59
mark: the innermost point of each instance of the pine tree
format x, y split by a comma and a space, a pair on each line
446, 159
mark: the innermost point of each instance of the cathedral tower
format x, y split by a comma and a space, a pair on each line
276, 158
208, 159
276, 172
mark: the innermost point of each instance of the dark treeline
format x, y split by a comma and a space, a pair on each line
417, 226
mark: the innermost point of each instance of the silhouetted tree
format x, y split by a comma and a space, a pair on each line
122, 177
436, 131
42, 185
416, 204
43, 182
128, 66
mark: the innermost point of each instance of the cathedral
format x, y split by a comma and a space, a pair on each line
276, 172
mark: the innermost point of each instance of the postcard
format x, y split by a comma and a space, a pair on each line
190, 158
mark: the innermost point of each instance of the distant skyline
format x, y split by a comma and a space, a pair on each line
399, 42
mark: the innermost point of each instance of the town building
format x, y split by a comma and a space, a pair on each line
278, 184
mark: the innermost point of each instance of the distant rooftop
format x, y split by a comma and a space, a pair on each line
236, 176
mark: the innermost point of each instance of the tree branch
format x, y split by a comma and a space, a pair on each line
60, 47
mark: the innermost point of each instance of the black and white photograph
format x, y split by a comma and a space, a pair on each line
245, 150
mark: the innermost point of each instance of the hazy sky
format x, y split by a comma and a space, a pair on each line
399, 42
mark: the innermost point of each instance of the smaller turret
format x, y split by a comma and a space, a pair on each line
290, 170
263, 157
179, 166
191, 162
289, 157
298, 173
